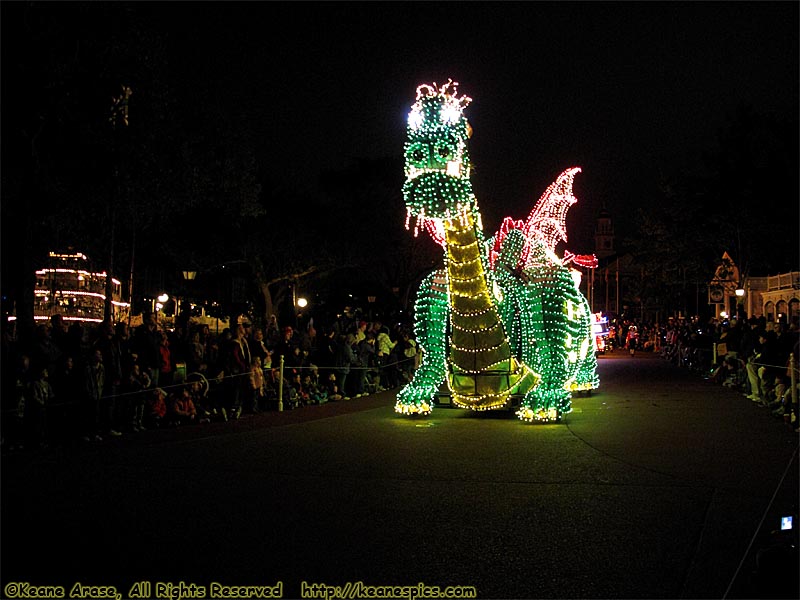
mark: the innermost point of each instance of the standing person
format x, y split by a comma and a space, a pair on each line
785, 339
298, 359
93, 381
75, 343
66, 382
216, 353
239, 361
166, 362
734, 338
46, 354
258, 347
409, 359
308, 340
257, 387
285, 347
361, 332
146, 346
137, 385
343, 359
272, 335
41, 396
326, 349
110, 348
14, 405
196, 362
632, 339
58, 332
385, 345
122, 338
366, 355
753, 359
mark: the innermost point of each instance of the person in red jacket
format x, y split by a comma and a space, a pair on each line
182, 409
165, 367
155, 409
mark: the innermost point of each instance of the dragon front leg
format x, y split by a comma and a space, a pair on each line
586, 378
545, 404
555, 318
430, 328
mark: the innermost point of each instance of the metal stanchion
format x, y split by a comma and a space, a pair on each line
793, 379
280, 386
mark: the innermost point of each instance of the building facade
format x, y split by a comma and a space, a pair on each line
775, 297
69, 286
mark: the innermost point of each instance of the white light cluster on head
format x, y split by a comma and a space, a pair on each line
415, 118
452, 108
451, 112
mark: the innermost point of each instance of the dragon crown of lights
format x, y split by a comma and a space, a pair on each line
452, 105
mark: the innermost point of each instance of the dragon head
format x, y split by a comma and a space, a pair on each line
437, 165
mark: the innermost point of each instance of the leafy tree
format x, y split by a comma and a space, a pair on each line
674, 248
69, 177
366, 202
743, 200
752, 183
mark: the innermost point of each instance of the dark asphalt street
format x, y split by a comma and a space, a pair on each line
658, 485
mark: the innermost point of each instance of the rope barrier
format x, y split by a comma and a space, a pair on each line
758, 364
219, 379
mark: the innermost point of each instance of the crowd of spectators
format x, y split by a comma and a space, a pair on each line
86, 383
751, 356
756, 358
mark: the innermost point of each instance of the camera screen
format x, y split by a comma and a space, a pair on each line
786, 523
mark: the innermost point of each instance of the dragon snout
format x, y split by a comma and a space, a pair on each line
435, 193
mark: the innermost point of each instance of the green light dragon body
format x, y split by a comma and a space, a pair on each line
504, 317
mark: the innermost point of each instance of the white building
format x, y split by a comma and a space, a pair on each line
70, 287
775, 297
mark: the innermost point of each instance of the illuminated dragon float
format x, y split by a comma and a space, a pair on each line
504, 320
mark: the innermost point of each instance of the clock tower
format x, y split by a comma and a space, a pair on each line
604, 235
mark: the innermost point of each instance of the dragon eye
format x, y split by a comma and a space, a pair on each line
417, 155
444, 152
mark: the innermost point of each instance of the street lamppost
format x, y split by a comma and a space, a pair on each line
739, 301
162, 300
187, 276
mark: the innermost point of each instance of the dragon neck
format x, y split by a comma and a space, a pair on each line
482, 368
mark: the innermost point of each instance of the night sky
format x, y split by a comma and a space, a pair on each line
623, 90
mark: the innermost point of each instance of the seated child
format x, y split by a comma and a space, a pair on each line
725, 372
290, 399
315, 394
334, 394
155, 409
302, 394
201, 401
182, 409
